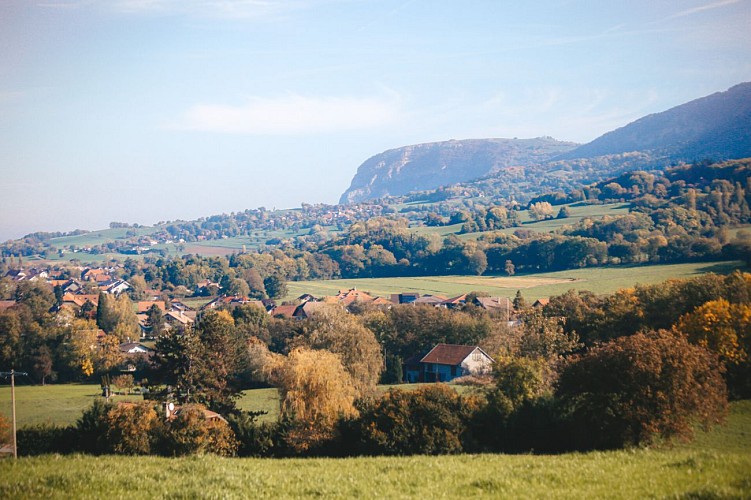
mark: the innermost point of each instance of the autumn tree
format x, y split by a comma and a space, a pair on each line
721, 327
336, 331
544, 337
80, 346
541, 210
129, 427
725, 329
636, 389
5, 430
315, 391
191, 433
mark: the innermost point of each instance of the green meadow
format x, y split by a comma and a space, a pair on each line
63, 404
599, 280
577, 212
716, 465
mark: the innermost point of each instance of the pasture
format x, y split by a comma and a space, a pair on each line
63, 404
599, 280
578, 211
715, 466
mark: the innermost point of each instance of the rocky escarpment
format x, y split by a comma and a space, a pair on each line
428, 166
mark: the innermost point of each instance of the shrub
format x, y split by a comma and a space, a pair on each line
190, 433
42, 439
5, 430
130, 428
638, 388
430, 420
254, 439
92, 427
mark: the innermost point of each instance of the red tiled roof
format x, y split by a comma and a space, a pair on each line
448, 354
145, 305
285, 311
456, 300
6, 304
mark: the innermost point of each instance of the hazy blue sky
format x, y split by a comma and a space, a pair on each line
149, 110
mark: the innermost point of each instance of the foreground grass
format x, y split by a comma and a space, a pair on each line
681, 473
599, 280
716, 465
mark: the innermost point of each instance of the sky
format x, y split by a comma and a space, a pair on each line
143, 111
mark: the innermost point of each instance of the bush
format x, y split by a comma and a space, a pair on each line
5, 430
93, 426
190, 433
130, 428
636, 389
431, 420
42, 439
254, 439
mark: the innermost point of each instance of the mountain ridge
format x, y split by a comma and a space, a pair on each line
431, 165
717, 127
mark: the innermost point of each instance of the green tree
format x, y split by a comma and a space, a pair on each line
155, 320
430, 420
276, 287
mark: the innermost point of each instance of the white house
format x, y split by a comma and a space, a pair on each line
445, 362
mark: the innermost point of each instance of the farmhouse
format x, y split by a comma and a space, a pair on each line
446, 362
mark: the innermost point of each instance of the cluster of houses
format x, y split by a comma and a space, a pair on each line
443, 363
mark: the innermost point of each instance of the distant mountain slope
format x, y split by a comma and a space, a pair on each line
717, 126
428, 166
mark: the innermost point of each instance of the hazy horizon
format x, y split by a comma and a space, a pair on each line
146, 110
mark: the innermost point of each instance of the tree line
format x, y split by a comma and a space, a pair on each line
584, 372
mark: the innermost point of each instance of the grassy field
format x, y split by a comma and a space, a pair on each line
599, 280
718, 465
577, 213
55, 404
63, 404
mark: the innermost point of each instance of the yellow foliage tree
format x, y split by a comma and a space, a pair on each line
315, 391
721, 327
336, 331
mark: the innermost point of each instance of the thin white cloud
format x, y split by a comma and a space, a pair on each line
702, 8
291, 115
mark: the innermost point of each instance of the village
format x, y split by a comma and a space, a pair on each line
157, 313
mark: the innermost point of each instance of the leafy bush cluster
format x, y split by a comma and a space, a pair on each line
132, 429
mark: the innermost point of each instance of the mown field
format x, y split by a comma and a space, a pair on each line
717, 465
599, 280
